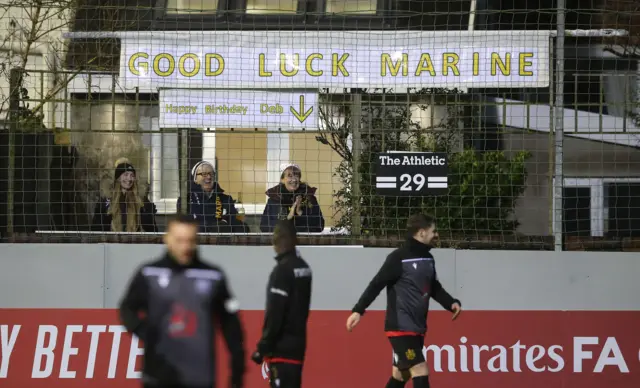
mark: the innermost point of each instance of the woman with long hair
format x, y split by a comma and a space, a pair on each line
125, 209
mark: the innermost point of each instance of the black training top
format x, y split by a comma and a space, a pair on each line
409, 273
182, 305
284, 335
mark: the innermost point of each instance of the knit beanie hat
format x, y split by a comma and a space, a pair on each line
285, 166
123, 165
197, 165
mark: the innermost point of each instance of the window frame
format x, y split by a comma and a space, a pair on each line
605, 207
277, 146
598, 216
374, 21
161, 14
163, 205
238, 14
310, 14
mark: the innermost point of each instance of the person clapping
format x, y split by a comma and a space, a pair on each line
293, 200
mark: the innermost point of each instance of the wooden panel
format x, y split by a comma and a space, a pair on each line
318, 163
242, 164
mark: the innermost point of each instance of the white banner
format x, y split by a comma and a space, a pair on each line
337, 59
184, 108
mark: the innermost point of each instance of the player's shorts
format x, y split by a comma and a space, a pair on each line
285, 375
407, 351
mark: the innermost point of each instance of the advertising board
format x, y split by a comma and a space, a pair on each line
502, 349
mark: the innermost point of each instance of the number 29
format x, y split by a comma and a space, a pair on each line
407, 179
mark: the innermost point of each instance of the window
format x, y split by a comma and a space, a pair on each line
243, 165
622, 209
582, 213
192, 6
247, 164
576, 209
263, 7
353, 7
614, 206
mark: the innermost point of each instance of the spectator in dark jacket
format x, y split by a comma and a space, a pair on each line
294, 200
215, 211
125, 209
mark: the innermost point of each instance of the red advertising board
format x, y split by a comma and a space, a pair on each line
502, 349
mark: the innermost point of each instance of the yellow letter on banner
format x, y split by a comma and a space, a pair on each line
523, 64
262, 67
135, 70
208, 68
394, 67
425, 64
337, 64
295, 59
505, 67
309, 65
476, 63
450, 61
170, 68
196, 65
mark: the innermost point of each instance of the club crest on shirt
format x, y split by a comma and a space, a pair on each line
203, 286
410, 354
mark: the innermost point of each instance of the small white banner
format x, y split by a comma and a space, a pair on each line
183, 108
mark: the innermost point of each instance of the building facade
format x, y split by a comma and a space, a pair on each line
599, 164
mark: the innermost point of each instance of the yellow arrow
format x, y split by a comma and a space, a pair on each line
302, 115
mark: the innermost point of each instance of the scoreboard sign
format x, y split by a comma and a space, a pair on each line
411, 174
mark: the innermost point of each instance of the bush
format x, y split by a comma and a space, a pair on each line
483, 186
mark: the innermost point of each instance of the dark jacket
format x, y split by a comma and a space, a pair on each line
174, 309
284, 334
409, 274
279, 203
216, 211
102, 218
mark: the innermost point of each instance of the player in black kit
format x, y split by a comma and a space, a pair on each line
173, 305
409, 273
284, 335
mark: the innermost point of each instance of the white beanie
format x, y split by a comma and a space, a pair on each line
285, 166
197, 165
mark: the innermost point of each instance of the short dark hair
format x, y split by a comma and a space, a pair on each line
185, 219
284, 235
417, 222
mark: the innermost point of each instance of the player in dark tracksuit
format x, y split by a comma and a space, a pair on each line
409, 274
284, 335
182, 298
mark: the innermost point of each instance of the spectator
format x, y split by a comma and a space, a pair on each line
294, 200
126, 208
215, 211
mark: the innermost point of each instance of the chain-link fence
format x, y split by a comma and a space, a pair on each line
538, 119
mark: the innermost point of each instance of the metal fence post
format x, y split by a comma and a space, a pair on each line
559, 126
184, 169
15, 84
356, 123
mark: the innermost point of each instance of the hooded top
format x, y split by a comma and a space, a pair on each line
279, 203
